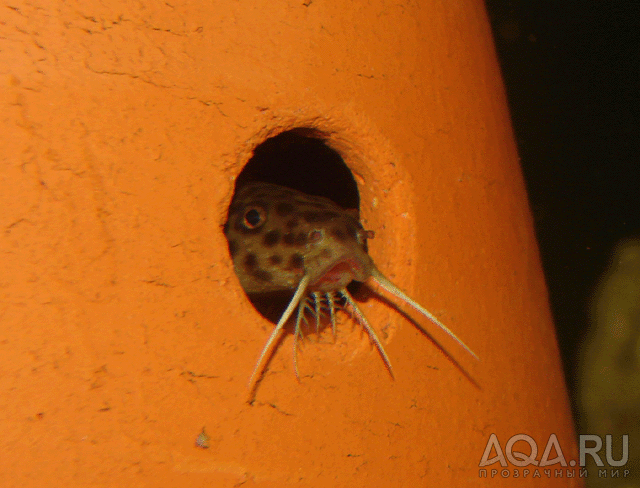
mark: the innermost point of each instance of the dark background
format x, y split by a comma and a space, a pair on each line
572, 75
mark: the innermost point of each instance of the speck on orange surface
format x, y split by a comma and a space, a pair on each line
123, 329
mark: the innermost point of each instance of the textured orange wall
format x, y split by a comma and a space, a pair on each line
123, 328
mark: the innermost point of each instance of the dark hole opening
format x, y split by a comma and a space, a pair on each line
300, 159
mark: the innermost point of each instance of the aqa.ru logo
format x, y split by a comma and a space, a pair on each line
522, 459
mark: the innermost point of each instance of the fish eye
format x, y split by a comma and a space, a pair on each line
254, 217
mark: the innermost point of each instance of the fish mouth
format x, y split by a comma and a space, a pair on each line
339, 274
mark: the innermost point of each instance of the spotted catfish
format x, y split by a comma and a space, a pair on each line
281, 239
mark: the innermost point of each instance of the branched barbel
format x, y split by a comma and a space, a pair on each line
281, 239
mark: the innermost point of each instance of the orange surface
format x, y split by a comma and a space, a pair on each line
123, 329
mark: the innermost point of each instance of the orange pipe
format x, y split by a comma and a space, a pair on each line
124, 329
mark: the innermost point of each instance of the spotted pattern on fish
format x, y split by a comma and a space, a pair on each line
277, 235
281, 239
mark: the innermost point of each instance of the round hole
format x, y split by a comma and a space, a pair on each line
303, 160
